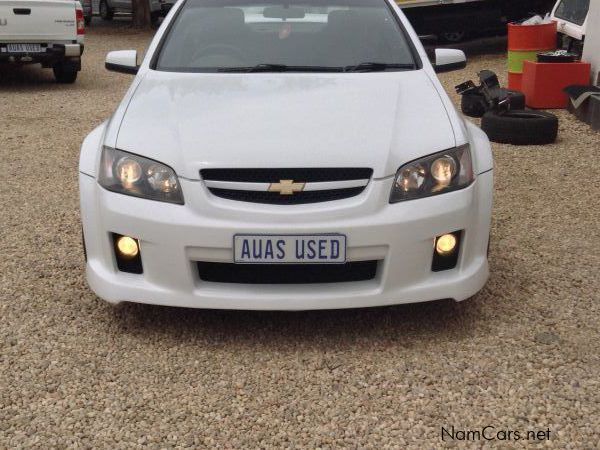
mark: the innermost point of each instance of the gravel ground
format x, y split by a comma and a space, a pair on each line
74, 372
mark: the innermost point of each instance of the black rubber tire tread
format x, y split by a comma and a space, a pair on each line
108, 13
65, 74
520, 127
473, 105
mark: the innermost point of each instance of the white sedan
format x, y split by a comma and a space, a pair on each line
308, 160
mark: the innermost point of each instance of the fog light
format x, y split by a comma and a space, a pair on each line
446, 251
128, 247
445, 244
128, 254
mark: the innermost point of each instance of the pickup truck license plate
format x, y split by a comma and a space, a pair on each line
24, 48
289, 249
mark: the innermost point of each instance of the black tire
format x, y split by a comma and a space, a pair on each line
154, 18
520, 127
105, 12
473, 104
65, 74
87, 20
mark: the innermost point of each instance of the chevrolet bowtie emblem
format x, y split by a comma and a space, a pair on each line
286, 187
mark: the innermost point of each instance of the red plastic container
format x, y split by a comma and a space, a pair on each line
543, 83
528, 38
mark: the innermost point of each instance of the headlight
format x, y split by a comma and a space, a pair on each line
435, 174
131, 174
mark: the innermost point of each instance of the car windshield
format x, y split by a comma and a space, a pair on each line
284, 35
574, 11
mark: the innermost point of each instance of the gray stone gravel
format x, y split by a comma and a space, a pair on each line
75, 372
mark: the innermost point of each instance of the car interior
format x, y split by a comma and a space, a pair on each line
222, 37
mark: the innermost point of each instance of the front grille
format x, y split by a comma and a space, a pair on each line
298, 198
287, 273
306, 176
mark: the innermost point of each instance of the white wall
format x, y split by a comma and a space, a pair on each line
591, 50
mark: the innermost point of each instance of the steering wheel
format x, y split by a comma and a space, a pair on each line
220, 50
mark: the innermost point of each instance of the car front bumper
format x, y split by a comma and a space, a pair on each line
174, 237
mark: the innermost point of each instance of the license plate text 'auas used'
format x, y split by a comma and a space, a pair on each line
290, 249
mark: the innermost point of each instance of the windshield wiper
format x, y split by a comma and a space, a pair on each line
280, 68
377, 67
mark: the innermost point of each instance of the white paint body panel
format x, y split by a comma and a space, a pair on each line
591, 48
376, 120
196, 121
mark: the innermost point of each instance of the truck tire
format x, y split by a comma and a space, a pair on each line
155, 18
105, 12
520, 127
65, 73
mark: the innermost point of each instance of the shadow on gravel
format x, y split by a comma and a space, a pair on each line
406, 324
28, 78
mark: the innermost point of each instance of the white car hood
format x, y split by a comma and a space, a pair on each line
376, 120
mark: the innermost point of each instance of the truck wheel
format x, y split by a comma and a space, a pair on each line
154, 19
520, 127
64, 73
105, 12
454, 36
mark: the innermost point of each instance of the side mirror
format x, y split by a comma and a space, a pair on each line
122, 61
447, 60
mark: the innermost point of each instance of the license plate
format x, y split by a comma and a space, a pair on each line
289, 249
24, 48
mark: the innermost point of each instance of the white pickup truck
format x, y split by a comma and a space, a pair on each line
49, 32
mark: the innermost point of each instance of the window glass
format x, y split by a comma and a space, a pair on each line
574, 11
217, 35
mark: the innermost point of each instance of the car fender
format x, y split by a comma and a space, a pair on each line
481, 149
88, 157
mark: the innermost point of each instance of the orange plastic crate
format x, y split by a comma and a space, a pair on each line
543, 83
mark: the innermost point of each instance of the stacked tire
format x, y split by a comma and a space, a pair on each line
520, 127
503, 113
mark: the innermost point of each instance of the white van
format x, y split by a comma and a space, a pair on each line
572, 17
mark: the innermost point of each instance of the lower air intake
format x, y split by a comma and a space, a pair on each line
287, 273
